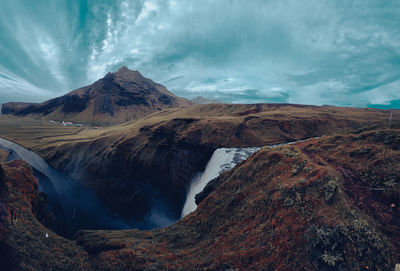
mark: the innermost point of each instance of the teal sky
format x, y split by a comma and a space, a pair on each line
319, 52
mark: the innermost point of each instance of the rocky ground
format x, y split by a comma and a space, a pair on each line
324, 204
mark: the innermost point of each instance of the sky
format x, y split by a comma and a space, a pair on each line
338, 52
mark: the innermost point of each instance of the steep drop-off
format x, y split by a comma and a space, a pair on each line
26, 242
151, 161
324, 204
147, 163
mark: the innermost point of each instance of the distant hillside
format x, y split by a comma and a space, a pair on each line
202, 100
116, 98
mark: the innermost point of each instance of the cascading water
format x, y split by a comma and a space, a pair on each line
221, 160
76, 207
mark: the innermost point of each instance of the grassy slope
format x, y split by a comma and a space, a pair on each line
37, 134
23, 241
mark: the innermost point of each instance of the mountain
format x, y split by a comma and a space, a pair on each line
329, 203
116, 98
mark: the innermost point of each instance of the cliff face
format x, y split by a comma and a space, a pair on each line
157, 156
25, 242
116, 98
316, 205
323, 204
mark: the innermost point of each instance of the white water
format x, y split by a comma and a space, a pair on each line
221, 160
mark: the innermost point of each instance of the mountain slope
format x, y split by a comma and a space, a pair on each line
116, 98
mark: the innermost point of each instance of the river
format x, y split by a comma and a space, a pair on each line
74, 206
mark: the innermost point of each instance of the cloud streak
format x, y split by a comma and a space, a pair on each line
313, 52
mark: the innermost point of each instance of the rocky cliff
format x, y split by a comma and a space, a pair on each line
137, 165
323, 204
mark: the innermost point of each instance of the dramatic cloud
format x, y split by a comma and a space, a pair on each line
312, 52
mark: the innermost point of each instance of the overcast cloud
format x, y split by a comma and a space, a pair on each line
310, 52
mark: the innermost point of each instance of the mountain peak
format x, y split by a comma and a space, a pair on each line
117, 97
128, 74
124, 69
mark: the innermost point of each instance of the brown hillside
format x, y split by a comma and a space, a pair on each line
116, 98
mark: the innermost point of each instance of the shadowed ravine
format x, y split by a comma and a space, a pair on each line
303, 206
75, 207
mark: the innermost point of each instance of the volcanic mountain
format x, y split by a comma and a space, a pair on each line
116, 98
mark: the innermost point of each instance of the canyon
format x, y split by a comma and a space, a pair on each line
324, 204
152, 160
325, 197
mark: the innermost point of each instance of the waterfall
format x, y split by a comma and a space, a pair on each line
221, 160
